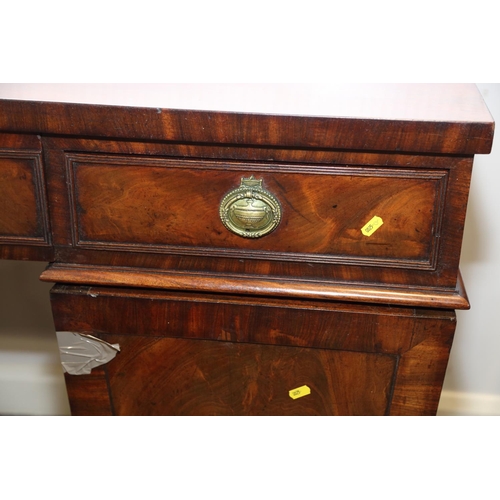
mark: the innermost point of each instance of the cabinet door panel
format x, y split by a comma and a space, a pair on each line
163, 376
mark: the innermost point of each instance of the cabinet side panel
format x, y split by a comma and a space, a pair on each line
88, 394
422, 369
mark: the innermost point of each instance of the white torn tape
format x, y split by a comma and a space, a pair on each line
80, 353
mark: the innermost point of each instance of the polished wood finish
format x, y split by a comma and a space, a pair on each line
24, 222
124, 204
88, 394
451, 120
201, 354
255, 285
223, 378
415, 101
136, 201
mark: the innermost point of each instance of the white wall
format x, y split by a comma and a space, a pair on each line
474, 369
31, 380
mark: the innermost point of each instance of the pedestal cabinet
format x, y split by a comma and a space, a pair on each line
248, 250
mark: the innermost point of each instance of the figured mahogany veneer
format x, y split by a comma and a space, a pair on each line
174, 206
448, 119
138, 201
193, 354
24, 220
124, 204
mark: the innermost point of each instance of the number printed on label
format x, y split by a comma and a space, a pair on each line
300, 392
372, 225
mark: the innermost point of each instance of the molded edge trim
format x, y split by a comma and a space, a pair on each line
250, 285
149, 124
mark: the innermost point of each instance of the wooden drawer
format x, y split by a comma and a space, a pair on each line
156, 205
195, 354
229, 249
24, 220
123, 201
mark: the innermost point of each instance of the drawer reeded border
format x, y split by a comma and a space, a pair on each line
440, 177
34, 180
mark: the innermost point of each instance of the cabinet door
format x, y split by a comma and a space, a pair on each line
202, 354
164, 376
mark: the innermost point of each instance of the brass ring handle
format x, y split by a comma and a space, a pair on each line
249, 210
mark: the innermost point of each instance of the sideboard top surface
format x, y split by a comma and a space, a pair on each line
418, 118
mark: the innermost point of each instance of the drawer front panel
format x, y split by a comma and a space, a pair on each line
172, 206
24, 218
150, 313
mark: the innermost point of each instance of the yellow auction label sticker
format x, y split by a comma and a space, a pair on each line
372, 226
300, 392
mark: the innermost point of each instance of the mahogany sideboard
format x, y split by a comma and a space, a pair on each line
249, 250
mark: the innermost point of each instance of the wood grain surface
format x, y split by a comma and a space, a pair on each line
176, 203
471, 134
135, 200
250, 285
24, 219
200, 354
123, 201
385, 101
183, 377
